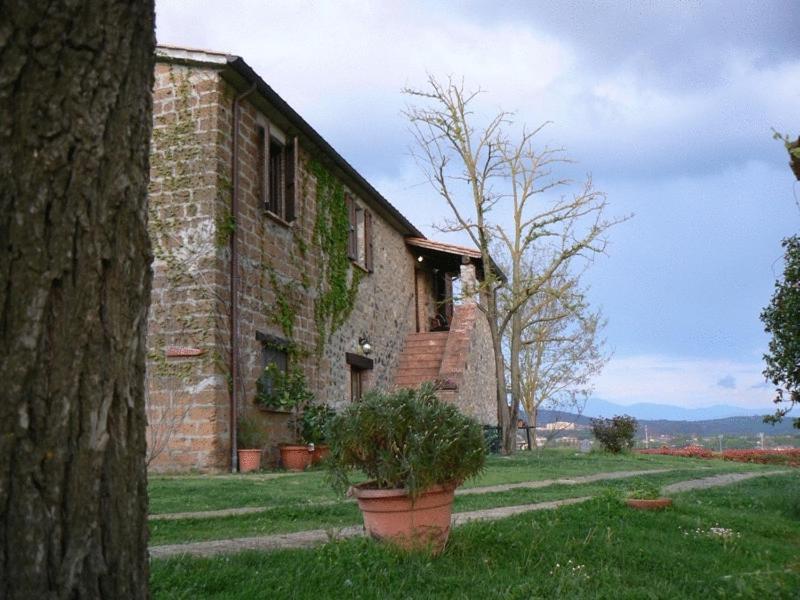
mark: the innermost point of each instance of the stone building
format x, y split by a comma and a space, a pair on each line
328, 277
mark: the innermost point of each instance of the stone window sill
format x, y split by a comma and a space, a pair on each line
278, 219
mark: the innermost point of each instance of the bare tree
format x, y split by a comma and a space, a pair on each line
561, 348
504, 196
165, 419
75, 121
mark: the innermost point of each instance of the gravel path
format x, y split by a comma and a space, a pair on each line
716, 480
227, 512
307, 539
315, 537
566, 481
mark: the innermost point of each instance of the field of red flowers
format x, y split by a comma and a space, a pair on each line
789, 457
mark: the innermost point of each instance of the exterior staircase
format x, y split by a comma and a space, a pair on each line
421, 359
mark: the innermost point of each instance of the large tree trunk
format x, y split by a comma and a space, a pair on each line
75, 119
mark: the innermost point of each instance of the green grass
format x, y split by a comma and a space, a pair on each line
191, 493
298, 517
599, 549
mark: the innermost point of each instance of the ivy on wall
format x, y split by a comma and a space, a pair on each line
177, 148
337, 285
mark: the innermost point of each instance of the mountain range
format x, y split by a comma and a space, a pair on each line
597, 407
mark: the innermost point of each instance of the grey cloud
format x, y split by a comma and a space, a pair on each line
727, 382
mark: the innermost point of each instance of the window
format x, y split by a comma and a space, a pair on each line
276, 171
359, 241
273, 352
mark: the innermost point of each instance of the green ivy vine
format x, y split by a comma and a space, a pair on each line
337, 286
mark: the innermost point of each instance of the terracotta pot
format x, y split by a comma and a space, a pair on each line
249, 460
653, 504
295, 457
392, 516
320, 453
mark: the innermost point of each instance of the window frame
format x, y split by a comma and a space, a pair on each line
277, 169
360, 234
276, 346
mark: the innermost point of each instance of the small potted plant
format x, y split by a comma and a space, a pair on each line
315, 421
415, 450
250, 442
288, 390
645, 495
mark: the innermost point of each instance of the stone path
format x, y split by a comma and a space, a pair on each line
227, 512
566, 481
307, 539
315, 537
716, 480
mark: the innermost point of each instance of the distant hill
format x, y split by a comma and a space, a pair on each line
752, 425
597, 407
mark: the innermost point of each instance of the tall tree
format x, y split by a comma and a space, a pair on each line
75, 121
782, 320
504, 196
561, 346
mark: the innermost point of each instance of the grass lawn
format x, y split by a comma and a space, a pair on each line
296, 502
290, 518
741, 540
187, 493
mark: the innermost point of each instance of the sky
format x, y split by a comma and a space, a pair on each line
668, 106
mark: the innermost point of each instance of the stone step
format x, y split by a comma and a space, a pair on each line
428, 335
419, 344
415, 377
408, 362
412, 383
419, 371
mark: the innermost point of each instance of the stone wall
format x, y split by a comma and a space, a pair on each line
468, 364
477, 389
191, 226
187, 390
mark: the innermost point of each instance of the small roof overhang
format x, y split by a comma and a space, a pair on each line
450, 256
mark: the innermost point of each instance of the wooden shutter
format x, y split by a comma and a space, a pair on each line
352, 234
368, 240
269, 201
292, 172
263, 167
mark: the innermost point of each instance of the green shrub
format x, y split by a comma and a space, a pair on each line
282, 390
250, 435
642, 489
406, 439
615, 434
315, 422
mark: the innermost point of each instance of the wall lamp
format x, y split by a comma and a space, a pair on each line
366, 347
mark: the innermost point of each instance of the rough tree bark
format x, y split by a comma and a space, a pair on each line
75, 119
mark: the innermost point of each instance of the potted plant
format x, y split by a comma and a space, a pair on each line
288, 390
315, 421
250, 441
415, 450
646, 496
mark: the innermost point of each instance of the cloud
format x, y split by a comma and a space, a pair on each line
728, 382
764, 385
681, 381
342, 65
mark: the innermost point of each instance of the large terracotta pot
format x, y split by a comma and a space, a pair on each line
295, 457
653, 504
392, 516
249, 460
321, 452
